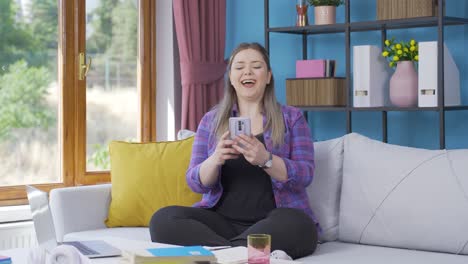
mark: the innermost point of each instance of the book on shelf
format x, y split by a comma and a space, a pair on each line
315, 68
175, 255
371, 75
5, 260
428, 80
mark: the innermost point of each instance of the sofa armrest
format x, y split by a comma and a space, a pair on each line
80, 208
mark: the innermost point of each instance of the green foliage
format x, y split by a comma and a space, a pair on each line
44, 23
101, 18
325, 2
22, 92
100, 157
16, 41
124, 40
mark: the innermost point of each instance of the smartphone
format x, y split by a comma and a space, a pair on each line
239, 125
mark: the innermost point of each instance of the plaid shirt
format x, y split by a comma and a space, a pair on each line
297, 153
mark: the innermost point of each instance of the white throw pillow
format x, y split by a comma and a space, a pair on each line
404, 197
324, 192
184, 133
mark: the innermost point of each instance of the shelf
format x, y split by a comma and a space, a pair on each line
405, 23
312, 29
456, 108
370, 25
392, 109
382, 109
436, 24
322, 108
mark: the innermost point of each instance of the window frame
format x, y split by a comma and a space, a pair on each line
72, 105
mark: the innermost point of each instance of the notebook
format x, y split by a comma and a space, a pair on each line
45, 229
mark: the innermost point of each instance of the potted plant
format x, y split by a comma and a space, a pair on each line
404, 82
325, 10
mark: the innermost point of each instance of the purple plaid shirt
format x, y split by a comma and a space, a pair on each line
297, 153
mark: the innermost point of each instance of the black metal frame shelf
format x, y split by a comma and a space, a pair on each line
380, 108
370, 25
381, 25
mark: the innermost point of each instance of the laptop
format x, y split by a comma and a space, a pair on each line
45, 229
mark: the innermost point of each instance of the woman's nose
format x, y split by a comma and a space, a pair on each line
247, 71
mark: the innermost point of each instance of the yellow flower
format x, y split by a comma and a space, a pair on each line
395, 51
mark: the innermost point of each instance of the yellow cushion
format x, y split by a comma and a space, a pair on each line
146, 177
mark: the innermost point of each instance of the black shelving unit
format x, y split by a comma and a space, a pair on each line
376, 25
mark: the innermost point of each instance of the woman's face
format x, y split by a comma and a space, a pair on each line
249, 75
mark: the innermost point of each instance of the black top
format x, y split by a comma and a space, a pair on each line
247, 191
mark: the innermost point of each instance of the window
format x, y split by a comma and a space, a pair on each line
57, 125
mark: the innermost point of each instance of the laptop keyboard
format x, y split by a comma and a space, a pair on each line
82, 248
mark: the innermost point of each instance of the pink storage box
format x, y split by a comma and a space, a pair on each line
310, 68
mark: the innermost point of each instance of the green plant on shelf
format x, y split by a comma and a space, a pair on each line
325, 2
400, 51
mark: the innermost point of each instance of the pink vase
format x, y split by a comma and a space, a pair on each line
404, 85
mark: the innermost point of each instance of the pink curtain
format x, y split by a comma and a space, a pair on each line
200, 28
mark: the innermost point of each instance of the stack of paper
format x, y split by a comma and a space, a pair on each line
238, 255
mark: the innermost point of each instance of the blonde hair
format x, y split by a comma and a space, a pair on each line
271, 107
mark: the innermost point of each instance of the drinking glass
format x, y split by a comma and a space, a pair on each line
259, 247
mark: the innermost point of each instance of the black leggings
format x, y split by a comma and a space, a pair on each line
291, 229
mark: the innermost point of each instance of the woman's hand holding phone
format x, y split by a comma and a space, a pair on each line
253, 150
224, 150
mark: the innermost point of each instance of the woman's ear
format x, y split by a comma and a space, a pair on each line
269, 77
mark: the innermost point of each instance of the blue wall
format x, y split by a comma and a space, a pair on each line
245, 23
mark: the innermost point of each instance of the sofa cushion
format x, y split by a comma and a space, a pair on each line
404, 197
324, 192
146, 177
339, 253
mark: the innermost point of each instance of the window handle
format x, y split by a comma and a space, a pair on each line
83, 67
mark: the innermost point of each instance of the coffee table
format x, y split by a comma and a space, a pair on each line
20, 255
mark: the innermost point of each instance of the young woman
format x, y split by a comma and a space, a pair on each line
250, 184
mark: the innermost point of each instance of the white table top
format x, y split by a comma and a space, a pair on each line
20, 255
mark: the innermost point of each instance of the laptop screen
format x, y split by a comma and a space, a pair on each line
42, 218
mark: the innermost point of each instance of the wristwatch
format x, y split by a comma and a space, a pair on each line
267, 163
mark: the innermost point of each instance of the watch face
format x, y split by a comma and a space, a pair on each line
269, 163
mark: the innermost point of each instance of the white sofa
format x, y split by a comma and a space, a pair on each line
376, 202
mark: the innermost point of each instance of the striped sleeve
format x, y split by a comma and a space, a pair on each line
300, 164
199, 154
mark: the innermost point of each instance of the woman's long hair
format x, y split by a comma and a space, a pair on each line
271, 107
